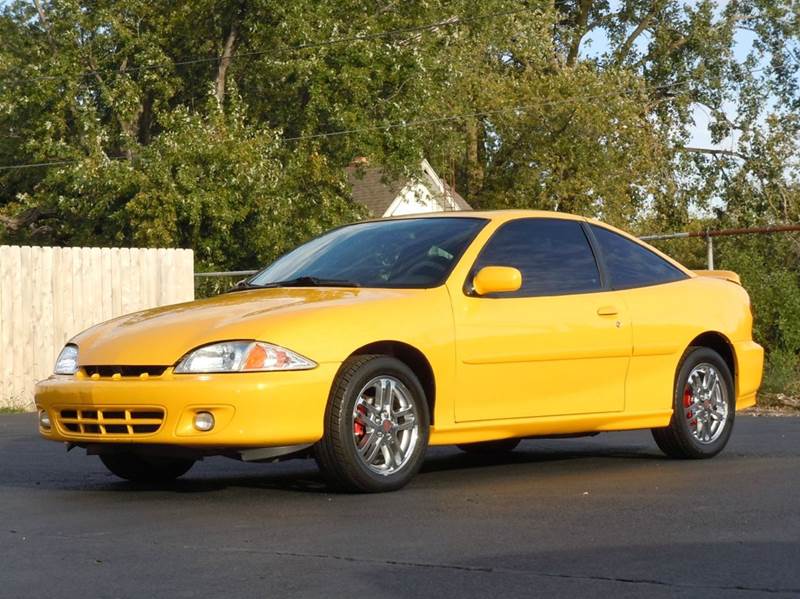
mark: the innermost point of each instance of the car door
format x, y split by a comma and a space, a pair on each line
658, 298
559, 345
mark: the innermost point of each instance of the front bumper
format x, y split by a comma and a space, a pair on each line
250, 409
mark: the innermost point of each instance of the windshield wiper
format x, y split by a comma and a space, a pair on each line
309, 282
242, 285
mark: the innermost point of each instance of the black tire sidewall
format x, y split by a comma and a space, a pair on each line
693, 358
364, 478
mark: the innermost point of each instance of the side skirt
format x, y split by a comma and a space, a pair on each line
546, 426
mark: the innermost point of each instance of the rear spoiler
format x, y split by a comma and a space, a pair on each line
728, 275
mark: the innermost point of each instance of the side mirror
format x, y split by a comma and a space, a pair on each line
496, 279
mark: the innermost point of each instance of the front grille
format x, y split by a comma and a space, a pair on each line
108, 371
111, 421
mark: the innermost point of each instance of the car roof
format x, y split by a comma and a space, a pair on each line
495, 215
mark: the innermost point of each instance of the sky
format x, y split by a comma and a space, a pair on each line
700, 136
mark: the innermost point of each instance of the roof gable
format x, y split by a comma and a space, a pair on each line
378, 195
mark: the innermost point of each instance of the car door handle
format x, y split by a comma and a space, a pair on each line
607, 311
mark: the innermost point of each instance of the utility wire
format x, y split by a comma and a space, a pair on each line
451, 22
409, 124
385, 127
453, 117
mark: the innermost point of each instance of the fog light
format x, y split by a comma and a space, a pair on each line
204, 421
44, 419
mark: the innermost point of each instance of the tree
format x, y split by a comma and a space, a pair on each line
581, 105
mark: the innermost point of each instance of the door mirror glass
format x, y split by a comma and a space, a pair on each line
497, 279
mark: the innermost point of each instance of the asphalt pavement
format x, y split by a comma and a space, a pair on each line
569, 517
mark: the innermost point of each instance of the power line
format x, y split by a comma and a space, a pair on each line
409, 124
451, 22
403, 124
396, 124
385, 127
452, 117
12, 167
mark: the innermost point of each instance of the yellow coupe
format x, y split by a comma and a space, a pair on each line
367, 344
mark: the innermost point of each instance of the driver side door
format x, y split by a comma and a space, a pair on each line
560, 345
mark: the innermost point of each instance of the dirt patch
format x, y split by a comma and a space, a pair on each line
775, 404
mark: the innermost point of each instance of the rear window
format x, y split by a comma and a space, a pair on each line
630, 264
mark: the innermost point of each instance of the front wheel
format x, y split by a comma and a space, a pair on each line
376, 426
703, 408
145, 469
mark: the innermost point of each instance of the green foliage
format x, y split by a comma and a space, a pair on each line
769, 270
782, 373
207, 182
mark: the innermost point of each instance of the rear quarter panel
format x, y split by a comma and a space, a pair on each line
666, 319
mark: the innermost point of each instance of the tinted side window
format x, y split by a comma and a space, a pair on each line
631, 265
553, 255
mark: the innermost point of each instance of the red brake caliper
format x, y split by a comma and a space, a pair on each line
687, 401
358, 428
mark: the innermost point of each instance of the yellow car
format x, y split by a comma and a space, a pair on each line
366, 345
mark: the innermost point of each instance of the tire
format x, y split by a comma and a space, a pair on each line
144, 469
367, 448
704, 407
498, 447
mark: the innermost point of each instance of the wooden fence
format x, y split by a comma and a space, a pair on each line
47, 295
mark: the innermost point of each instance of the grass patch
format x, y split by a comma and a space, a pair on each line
11, 411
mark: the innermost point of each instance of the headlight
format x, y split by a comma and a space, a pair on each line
67, 361
241, 356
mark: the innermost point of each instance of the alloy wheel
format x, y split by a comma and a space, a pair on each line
385, 425
705, 403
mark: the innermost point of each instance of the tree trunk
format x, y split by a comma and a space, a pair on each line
623, 51
42, 16
475, 170
581, 21
225, 61
146, 120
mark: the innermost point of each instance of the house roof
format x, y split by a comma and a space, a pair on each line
370, 189
460, 202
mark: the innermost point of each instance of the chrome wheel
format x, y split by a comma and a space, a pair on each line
705, 403
385, 425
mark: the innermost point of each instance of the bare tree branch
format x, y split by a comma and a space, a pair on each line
26, 218
623, 51
44, 21
42, 15
712, 151
225, 61
582, 19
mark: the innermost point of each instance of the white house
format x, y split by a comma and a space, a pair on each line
413, 195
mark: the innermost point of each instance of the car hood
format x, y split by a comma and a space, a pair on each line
161, 336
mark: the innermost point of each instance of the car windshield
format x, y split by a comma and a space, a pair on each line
415, 252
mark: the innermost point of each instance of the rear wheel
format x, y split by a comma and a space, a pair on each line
703, 409
498, 447
376, 426
145, 469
